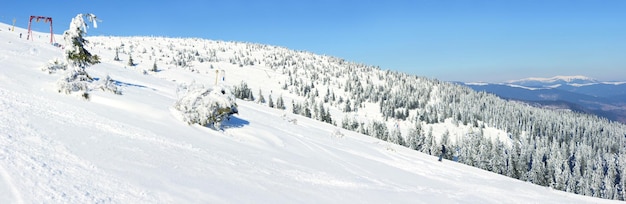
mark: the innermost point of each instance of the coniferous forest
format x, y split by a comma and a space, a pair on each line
564, 150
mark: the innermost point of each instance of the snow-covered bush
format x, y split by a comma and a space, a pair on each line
108, 84
337, 134
206, 106
75, 80
53, 65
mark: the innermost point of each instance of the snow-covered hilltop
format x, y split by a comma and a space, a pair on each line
537, 82
134, 147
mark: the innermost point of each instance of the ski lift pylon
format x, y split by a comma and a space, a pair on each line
37, 18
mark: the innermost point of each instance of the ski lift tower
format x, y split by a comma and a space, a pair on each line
37, 19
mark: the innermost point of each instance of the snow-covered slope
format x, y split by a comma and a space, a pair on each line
131, 148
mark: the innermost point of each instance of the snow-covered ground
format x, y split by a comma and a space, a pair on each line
131, 148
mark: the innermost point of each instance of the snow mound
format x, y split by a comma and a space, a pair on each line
206, 106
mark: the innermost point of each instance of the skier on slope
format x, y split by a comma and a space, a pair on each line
443, 151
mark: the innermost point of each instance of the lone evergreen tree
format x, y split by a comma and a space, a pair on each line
261, 99
270, 102
280, 103
154, 67
78, 58
117, 54
75, 52
130, 61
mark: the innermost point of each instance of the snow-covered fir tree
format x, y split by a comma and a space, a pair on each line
260, 99
131, 62
154, 67
117, 54
280, 102
78, 57
243, 92
75, 52
270, 101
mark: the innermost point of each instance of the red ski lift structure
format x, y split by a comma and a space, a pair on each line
37, 19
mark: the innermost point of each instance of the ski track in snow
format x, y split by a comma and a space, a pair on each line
322, 178
9, 184
366, 179
50, 165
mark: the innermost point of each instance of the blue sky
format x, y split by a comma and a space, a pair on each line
452, 40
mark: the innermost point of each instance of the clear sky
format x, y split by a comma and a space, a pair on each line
452, 40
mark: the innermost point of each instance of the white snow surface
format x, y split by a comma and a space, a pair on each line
132, 148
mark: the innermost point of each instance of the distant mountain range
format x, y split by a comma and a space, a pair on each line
575, 93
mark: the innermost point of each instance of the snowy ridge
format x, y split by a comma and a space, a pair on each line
57, 148
555, 79
615, 83
520, 86
477, 83
538, 83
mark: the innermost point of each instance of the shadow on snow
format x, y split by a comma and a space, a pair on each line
120, 83
234, 122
